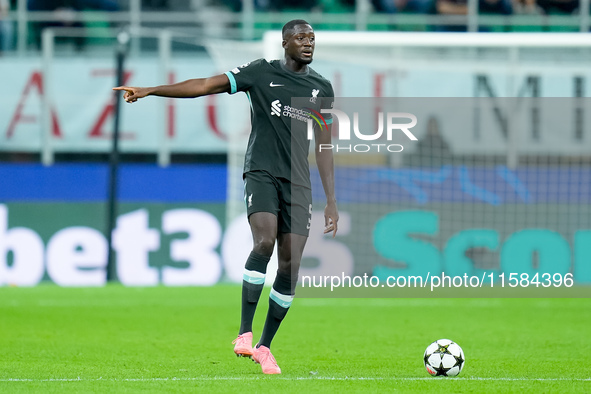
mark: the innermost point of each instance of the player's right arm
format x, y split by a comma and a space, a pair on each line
190, 88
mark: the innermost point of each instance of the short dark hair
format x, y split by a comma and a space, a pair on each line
289, 26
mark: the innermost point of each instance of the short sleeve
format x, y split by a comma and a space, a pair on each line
327, 102
242, 78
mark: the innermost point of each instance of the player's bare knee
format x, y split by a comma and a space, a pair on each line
264, 246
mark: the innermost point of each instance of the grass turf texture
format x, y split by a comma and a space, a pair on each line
179, 339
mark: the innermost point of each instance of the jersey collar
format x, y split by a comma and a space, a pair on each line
292, 72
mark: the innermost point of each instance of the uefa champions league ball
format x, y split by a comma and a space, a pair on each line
444, 358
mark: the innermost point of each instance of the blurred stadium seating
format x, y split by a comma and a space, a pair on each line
249, 19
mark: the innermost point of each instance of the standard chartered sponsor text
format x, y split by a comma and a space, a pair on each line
296, 113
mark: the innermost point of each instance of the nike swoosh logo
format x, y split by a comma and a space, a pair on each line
274, 85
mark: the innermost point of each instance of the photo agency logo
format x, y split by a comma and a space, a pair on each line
358, 141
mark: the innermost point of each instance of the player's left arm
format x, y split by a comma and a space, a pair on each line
325, 163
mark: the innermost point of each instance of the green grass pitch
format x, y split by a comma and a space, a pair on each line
117, 339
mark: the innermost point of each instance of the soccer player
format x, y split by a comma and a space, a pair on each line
276, 172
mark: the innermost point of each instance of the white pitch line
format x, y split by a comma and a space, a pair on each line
346, 378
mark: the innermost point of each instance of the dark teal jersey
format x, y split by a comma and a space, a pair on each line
278, 142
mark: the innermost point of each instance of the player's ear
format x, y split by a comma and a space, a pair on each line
284, 44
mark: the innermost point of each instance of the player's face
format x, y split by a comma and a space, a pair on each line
300, 45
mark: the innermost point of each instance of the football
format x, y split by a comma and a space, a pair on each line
444, 358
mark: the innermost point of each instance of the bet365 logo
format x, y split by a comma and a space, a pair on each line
344, 132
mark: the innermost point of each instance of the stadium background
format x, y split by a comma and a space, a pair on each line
180, 190
464, 199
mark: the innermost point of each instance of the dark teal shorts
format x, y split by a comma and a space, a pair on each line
292, 204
